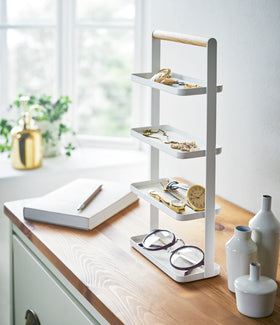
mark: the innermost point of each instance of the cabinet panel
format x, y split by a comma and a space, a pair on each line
36, 289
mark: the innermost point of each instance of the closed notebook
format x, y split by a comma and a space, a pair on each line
60, 206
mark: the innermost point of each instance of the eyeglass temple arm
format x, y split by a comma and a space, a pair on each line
194, 267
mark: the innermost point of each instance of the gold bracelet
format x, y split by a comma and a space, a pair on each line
149, 133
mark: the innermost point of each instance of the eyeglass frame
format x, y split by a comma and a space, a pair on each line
173, 242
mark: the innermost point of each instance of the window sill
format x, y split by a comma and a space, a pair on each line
117, 165
81, 159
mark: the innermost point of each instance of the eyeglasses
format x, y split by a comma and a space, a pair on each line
185, 257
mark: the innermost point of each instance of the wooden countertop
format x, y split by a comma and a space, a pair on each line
128, 289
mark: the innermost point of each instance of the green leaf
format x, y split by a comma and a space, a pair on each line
53, 111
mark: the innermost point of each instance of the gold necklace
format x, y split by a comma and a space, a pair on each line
149, 133
182, 146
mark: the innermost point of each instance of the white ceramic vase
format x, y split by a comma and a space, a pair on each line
51, 142
240, 252
255, 294
265, 233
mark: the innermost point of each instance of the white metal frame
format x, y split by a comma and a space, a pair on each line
210, 268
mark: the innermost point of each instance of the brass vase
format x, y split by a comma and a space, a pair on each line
26, 152
26, 149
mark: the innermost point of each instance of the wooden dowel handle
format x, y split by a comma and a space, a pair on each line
181, 38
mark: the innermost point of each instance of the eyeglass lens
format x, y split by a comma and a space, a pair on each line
158, 239
186, 257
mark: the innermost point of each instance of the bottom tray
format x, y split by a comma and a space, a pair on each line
161, 260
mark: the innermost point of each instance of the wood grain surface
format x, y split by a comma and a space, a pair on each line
181, 38
128, 289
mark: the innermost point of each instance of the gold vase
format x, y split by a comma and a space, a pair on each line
26, 150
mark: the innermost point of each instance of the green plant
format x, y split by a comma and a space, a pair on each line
68, 149
52, 112
5, 129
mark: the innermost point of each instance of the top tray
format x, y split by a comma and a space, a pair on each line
145, 79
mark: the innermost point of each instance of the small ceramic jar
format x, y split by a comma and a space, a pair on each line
255, 294
240, 252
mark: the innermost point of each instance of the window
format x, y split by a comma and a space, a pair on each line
82, 48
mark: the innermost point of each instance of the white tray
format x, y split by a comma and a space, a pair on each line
161, 259
145, 79
175, 135
142, 189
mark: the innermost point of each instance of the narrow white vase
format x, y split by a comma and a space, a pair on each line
51, 140
240, 252
265, 233
255, 294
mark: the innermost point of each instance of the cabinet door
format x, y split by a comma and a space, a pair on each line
37, 290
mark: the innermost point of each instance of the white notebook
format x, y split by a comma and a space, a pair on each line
60, 206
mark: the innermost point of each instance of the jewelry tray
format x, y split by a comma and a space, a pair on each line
161, 260
175, 135
145, 79
142, 189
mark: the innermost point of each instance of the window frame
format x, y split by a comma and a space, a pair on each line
65, 26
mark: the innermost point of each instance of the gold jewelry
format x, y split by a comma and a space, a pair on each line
191, 86
149, 133
166, 81
183, 146
176, 205
195, 198
163, 76
163, 73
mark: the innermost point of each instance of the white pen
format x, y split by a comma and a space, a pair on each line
90, 198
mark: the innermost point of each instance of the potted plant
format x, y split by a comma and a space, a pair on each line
5, 129
48, 120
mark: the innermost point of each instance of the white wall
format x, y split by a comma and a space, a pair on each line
248, 115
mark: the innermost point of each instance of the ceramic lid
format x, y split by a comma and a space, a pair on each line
255, 284
265, 285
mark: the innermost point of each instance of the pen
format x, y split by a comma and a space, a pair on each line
90, 198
